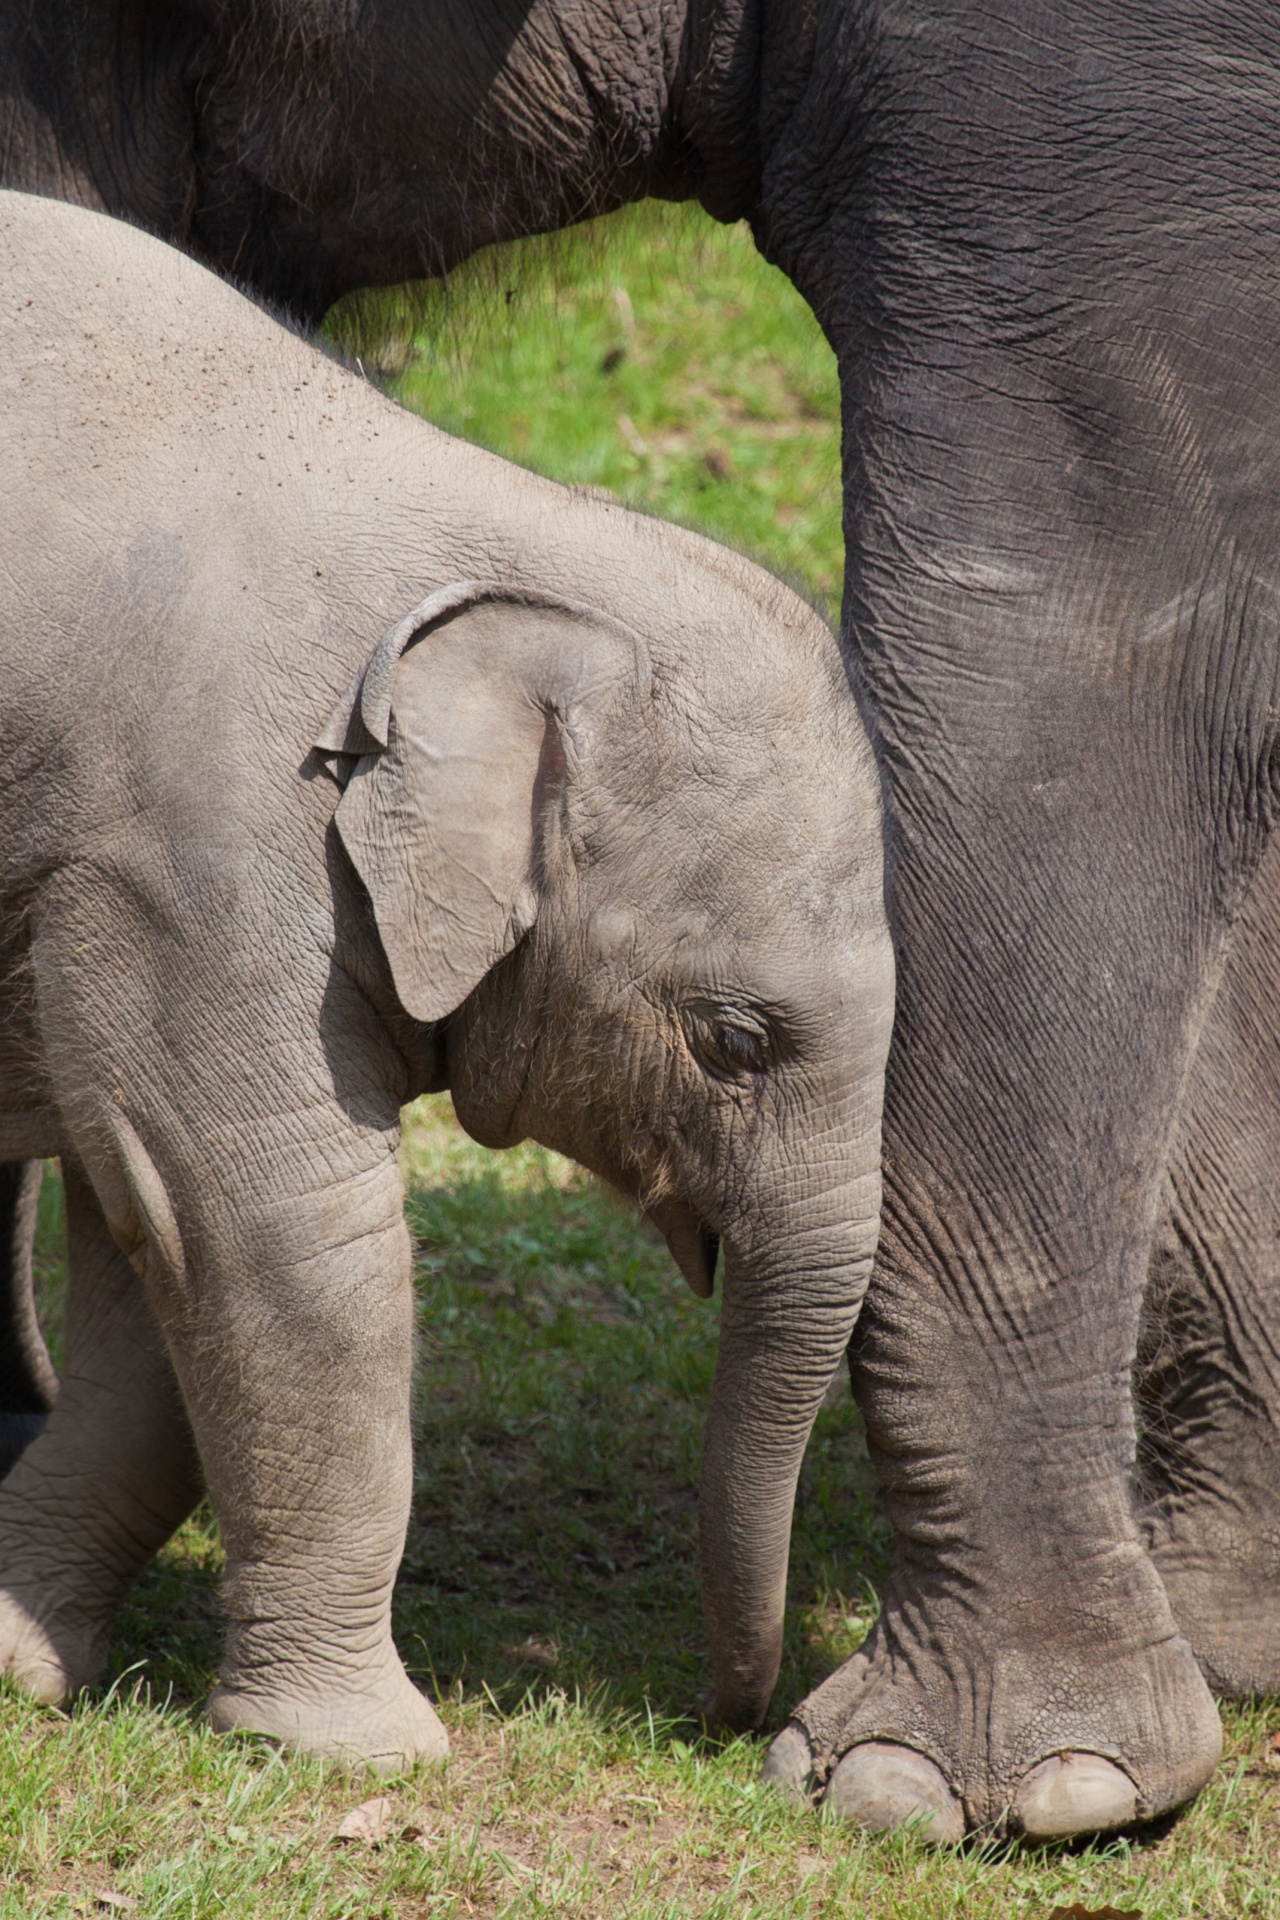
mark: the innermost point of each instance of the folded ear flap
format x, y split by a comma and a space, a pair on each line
470, 720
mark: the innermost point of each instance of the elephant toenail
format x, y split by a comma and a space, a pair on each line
788, 1765
882, 1786
1073, 1793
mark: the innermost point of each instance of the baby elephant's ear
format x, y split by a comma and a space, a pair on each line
470, 720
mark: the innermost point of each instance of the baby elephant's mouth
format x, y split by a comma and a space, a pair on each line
695, 1248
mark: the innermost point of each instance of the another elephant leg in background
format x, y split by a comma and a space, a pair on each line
107, 1481
28, 1383
1209, 1362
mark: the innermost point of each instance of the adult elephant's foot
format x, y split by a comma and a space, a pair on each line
373, 1717
52, 1643
1223, 1583
1045, 1741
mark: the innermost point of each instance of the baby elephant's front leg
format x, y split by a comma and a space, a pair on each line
295, 1352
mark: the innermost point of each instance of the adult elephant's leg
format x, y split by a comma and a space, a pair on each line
28, 1383
106, 1482
1056, 935
1209, 1357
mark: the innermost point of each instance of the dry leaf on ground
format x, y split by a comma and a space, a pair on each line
534, 1652
367, 1825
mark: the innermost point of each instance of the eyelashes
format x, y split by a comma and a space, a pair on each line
726, 1043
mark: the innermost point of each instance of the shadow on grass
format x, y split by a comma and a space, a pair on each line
562, 1381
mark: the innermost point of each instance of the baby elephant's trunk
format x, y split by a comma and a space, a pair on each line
784, 1332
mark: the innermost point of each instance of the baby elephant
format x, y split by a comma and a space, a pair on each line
340, 762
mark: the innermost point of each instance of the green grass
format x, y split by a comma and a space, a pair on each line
654, 354
548, 1599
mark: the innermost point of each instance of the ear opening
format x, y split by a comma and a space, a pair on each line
462, 750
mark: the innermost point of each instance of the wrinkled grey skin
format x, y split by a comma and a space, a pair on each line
595, 843
1042, 240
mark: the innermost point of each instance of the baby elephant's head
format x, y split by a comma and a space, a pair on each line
637, 875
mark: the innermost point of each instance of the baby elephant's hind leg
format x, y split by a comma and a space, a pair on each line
1209, 1363
107, 1481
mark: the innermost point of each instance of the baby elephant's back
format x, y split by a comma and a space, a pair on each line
92, 308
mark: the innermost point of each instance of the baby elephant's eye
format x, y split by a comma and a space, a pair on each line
726, 1045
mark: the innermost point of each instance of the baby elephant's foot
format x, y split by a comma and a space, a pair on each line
373, 1718
1047, 1744
51, 1646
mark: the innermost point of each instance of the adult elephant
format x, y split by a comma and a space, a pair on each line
1043, 242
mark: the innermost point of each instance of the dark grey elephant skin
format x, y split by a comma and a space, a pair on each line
1043, 240
591, 835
